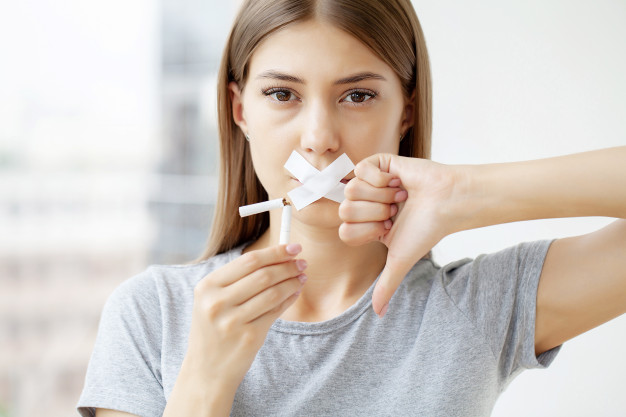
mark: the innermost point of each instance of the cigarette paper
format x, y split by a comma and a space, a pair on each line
257, 208
285, 225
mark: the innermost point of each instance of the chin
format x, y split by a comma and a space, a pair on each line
322, 213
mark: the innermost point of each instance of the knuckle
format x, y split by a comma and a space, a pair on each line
344, 232
342, 210
274, 295
360, 168
347, 235
205, 284
345, 210
251, 260
380, 181
264, 278
249, 337
199, 290
227, 324
213, 309
351, 190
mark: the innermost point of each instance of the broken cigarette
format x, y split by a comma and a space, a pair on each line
285, 223
257, 208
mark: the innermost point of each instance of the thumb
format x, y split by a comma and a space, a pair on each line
390, 279
375, 169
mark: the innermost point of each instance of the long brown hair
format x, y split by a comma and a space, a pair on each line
390, 28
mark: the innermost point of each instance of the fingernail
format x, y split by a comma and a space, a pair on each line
383, 311
302, 278
401, 196
394, 210
395, 182
388, 224
301, 264
293, 248
297, 292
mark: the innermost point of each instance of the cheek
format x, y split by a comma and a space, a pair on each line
264, 161
373, 134
268, 119
269, 152
268, 160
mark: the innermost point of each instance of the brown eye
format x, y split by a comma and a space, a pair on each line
280, 94
357, 97
283, 95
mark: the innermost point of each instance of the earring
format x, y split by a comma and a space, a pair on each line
247, 137
401, 137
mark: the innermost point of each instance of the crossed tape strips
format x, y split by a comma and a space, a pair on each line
315, 183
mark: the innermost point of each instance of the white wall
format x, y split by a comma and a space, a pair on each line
527, 80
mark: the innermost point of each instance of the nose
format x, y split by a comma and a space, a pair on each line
320, 134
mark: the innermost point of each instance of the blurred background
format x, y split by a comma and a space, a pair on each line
108, 163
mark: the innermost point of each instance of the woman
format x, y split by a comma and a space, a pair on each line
353, 317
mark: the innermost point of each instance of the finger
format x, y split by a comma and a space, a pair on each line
365, 211
266, 320
375, 170
269, 299
401, 256
358, 189
390, 279
355, 234
254, 260
396, 182
262, 279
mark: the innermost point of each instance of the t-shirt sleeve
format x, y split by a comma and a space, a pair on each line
124, 371
498, 293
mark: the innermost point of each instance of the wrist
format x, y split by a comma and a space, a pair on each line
584, 184
477, 200
199, 394
500, 193
196, 374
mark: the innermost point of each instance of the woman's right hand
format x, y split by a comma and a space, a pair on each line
234, 308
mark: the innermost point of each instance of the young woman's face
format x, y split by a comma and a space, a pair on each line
315, 89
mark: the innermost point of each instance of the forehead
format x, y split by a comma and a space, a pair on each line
314, 48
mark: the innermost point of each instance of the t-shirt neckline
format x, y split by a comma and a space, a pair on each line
312, 328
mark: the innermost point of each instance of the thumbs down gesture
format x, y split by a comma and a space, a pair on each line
409, 204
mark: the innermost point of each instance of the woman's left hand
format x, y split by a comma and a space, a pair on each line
409, 204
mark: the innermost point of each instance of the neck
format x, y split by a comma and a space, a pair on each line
338, 274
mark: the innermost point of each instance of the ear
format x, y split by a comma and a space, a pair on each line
409, 113
237, 103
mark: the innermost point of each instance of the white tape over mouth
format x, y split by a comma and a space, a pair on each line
315, 183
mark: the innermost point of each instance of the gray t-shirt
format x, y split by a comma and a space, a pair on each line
453, 339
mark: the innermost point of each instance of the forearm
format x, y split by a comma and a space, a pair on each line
198, 398
583, 184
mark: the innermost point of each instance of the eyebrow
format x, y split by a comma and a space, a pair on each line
361, 76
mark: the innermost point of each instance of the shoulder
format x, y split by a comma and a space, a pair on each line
160, 284
489, 278
520, 260
494, 288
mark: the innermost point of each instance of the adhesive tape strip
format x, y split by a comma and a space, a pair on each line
317, 184
304, 171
